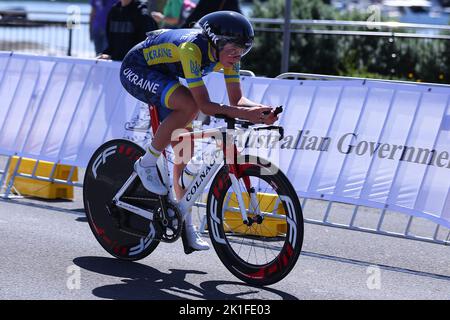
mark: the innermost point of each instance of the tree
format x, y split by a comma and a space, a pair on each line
305, 50
362, 56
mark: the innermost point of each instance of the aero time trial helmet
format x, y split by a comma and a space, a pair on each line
224, 27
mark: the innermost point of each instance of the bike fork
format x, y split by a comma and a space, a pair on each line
253, 200
237, 190
252, 193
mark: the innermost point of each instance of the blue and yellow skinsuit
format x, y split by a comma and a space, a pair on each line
150, 70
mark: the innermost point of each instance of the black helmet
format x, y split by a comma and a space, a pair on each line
222, 27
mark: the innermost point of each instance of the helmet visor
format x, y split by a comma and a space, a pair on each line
240, 47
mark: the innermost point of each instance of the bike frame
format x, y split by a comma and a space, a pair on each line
215, 160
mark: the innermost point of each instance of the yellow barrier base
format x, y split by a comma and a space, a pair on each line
271, 227
42, 189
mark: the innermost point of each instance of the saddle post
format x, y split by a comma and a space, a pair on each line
154, 118
154, 121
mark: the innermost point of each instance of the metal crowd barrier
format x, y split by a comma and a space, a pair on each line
408, 227
11, 172
70, 32
66, 35
317, 212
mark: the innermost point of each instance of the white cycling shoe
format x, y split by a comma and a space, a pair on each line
192, 240
150, 178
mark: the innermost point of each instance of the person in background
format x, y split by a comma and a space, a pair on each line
170, 17
208, 6
156, 5
97, 23
127, 24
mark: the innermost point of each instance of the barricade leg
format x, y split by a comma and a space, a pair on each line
3, 177
10, 183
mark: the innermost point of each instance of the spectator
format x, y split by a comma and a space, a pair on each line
97, 23
127, 25
207, 6
170, 18
156, 5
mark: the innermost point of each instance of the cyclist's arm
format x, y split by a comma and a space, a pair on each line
254, 115
232, 80
234, 93
203, 101
190, 55
236, 98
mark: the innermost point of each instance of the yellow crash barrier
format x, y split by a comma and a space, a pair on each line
270, 227
42, 189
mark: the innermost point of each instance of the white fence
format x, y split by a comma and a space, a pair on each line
375, 144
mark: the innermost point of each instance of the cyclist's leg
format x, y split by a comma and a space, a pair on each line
178, 110
181, 101
183, 109
151, 86
184, 150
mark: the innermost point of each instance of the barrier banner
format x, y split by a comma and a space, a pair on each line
374, 143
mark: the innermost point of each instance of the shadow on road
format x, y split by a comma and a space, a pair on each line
142, 282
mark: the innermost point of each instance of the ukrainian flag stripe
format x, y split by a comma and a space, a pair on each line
231, 76
167, 93
196, 84
193, 80
233, 80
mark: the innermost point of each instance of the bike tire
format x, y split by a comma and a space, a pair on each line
108, 169
222, 232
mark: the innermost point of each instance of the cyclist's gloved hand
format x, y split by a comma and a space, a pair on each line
264, 114
256, 114
271, 117
103, 56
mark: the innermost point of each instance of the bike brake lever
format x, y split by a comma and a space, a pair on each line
277, 111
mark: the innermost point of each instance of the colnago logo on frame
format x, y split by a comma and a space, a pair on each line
200, 178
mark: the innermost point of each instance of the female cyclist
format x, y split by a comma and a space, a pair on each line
150, 72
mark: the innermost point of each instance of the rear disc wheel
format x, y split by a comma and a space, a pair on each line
107, 171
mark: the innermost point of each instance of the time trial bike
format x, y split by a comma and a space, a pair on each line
254, 217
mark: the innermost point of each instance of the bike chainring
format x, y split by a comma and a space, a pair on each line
170, 224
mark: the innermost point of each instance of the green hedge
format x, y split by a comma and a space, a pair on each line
423, 60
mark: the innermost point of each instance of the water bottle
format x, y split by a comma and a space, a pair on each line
190, 172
